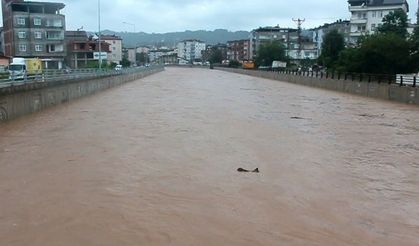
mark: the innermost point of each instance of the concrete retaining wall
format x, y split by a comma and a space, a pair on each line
392, 92
30, 98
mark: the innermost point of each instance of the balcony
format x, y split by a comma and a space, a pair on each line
359, 20
357, 33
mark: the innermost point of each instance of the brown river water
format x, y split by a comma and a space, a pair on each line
154, 162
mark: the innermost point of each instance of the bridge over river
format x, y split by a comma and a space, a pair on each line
154, 162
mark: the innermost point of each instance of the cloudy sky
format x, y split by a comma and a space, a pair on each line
179, 15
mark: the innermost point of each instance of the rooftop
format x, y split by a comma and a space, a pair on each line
110, 37
34, 7
377, 2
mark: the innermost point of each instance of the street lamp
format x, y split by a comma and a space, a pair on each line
100, 41
131, 24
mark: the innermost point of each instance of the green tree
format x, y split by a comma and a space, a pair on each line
216, 56
125, 62
414, 46
395, 22
382, 53
332, 46
267, 53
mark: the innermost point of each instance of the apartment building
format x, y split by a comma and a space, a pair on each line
81, 49
155, 54
298, 45
367, 15
211, 49
264, 35
190, 50
342, 26
130, 54
115, 46
238, 50
34, 29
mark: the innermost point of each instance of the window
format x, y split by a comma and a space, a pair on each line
374, 14
373, 27
22, 47
21, 35
21, 21
38, 47
113, 48
37, 21
54, 23
38, 35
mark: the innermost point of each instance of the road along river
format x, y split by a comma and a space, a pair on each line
154, 162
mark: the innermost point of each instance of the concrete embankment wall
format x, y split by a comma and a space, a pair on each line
392, 92
28, 98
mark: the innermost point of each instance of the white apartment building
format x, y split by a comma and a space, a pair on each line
190, 50
115, 47
367, 15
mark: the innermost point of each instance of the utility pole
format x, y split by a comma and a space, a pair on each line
300, 41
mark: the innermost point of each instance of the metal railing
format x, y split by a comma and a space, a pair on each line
400, 79
68, 75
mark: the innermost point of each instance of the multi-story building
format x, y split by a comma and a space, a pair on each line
115, 43
143, 49
367, 15
211, 49
81, 49
264, 35
238, 50
155, 54
34, 29
301, 46
190, 50
130, 54
298, 45
343, 27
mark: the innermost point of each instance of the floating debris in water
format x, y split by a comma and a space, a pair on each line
242, 170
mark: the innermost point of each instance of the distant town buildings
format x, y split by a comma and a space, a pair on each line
34, 29
115, 47
190, 50
38, 29
155, 54
367, 15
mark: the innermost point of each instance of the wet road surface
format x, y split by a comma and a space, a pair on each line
154, 162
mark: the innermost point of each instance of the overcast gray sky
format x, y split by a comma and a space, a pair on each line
179, 15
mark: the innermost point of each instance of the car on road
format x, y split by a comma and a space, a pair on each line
118, 68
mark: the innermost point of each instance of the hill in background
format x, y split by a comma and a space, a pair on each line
172, 38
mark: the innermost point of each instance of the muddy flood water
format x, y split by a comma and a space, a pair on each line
154, 162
